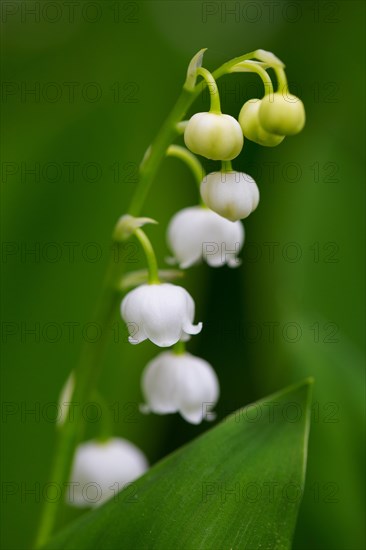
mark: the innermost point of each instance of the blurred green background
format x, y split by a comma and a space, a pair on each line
104, 76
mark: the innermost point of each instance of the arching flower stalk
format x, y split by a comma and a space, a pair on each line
175, 381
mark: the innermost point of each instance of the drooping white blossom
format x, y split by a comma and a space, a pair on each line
101, 469
197, 233
162, 313
233, 195
180, 383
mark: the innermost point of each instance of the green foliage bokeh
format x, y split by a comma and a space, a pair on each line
294, 308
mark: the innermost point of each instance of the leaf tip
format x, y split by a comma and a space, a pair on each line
194, 64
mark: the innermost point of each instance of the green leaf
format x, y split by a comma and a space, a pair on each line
194, 64
237, 486
127, 225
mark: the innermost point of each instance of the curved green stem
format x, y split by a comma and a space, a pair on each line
87, 371
156, 153
150, 256
282, 86
226, 67
266, 79
86, 376
212, 88
190, 159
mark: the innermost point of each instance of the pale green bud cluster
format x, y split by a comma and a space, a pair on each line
267, 121
252, 128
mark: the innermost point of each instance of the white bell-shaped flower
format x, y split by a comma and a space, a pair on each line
101, 469
233, 195
197, 233
180, 383
162, 313
214, 136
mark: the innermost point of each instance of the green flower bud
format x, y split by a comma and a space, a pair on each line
282, 114
214, 136
252, 129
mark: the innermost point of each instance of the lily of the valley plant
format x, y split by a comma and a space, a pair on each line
154, 308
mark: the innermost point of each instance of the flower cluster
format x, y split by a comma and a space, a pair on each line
267, 121
212, 231
175, 380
